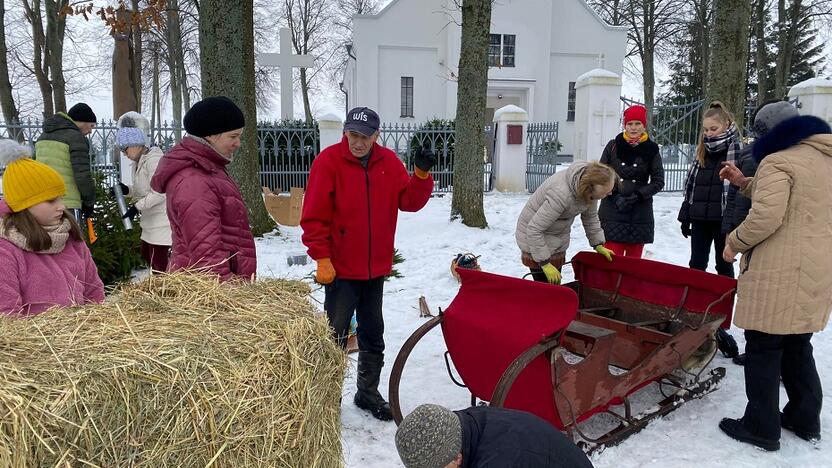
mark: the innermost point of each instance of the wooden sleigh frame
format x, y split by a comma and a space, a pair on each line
644, 319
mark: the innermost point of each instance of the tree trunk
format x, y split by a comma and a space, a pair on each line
729, 59
183, 83
174, 40
226, 45
647, 63
304, 90
470, 114
124, 88
55, 27
788, 20
138, 56
40, 56
704, 33
10, 112
155, 93
760, 39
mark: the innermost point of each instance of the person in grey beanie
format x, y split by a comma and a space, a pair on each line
484, 436
784, 291
737, 205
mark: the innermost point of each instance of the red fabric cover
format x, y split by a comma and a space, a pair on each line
656, 282
349, 213
208, 219
492, 320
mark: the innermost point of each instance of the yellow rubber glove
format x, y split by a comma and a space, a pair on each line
552, 273
325, 273
607, 253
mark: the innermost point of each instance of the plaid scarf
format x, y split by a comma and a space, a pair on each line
729, 139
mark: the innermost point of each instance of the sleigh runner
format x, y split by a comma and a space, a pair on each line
549, 350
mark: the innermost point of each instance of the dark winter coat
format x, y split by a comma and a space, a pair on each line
350, 211
737, 204
503, 438
640, 173
62, 147
704, 192
208, 218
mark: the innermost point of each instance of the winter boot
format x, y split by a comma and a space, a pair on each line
739, 360
727, 344
368, 397
808, 436
735, 429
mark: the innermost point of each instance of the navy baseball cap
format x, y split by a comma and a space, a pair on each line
362, 120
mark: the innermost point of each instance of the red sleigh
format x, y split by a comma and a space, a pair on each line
509, 340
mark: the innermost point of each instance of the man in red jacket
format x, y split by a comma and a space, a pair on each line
353, 196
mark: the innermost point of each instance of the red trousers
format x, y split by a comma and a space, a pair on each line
156, 256
625, 250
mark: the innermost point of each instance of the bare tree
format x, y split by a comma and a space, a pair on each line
652, 24
174, 58
728, 60
40, 55
226, 43
343, 29
138, 56
55, 28
470, 114
308, 21
9, 108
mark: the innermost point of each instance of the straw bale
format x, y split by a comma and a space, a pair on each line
178, 370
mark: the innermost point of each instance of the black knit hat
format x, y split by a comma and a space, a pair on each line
212, 116
81, 113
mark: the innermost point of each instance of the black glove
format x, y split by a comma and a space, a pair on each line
686, 229
124, 190
425, 158
131, 213
87, 210
625, 203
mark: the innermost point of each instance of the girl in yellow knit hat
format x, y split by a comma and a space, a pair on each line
44, 261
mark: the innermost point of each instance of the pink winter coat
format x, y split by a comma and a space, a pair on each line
207, 215
33, 282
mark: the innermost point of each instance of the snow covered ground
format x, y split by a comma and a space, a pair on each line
688, 437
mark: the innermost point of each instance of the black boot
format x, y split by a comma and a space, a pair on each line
368, 397
809, 436
727, 344
739, 360
737, 431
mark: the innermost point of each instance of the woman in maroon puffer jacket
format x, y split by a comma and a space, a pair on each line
208, 218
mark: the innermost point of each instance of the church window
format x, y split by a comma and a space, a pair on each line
407, 96
501, 50
570, 103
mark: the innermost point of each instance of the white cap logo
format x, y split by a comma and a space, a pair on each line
360, 116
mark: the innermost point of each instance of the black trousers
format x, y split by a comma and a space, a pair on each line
364, 297
702, 235
768, 358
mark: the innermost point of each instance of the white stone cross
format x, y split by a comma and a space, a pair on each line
286, 61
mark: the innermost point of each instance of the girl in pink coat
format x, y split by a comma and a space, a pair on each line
44, 261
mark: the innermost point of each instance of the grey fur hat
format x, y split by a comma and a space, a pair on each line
770, 114
429, 437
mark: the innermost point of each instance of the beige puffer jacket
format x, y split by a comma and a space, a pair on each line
545, 223
785, 284
151, 204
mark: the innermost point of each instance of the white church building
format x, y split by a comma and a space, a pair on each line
404, 59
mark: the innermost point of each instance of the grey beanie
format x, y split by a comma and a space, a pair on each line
429, 437
769, 115
130, 136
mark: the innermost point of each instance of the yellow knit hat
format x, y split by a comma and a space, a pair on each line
27, 182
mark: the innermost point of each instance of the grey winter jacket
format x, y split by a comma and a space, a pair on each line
545, 223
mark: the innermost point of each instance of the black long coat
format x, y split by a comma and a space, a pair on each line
704, 191
640, 173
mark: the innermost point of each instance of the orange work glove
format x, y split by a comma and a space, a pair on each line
325, 273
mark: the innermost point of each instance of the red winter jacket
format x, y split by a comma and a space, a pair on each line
350, 213
208, 218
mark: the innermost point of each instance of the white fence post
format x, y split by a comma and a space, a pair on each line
331, 129
509, 168
815, 98
597, 112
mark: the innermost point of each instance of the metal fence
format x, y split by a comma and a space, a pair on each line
542, 146
286, 152
404, 139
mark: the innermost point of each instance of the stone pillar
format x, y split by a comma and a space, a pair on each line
597, 112
331, 129
814, 97
509, 169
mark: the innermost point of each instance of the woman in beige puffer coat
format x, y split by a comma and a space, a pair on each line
545, 224
784, 292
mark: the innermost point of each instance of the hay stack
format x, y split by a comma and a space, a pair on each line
175, 371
